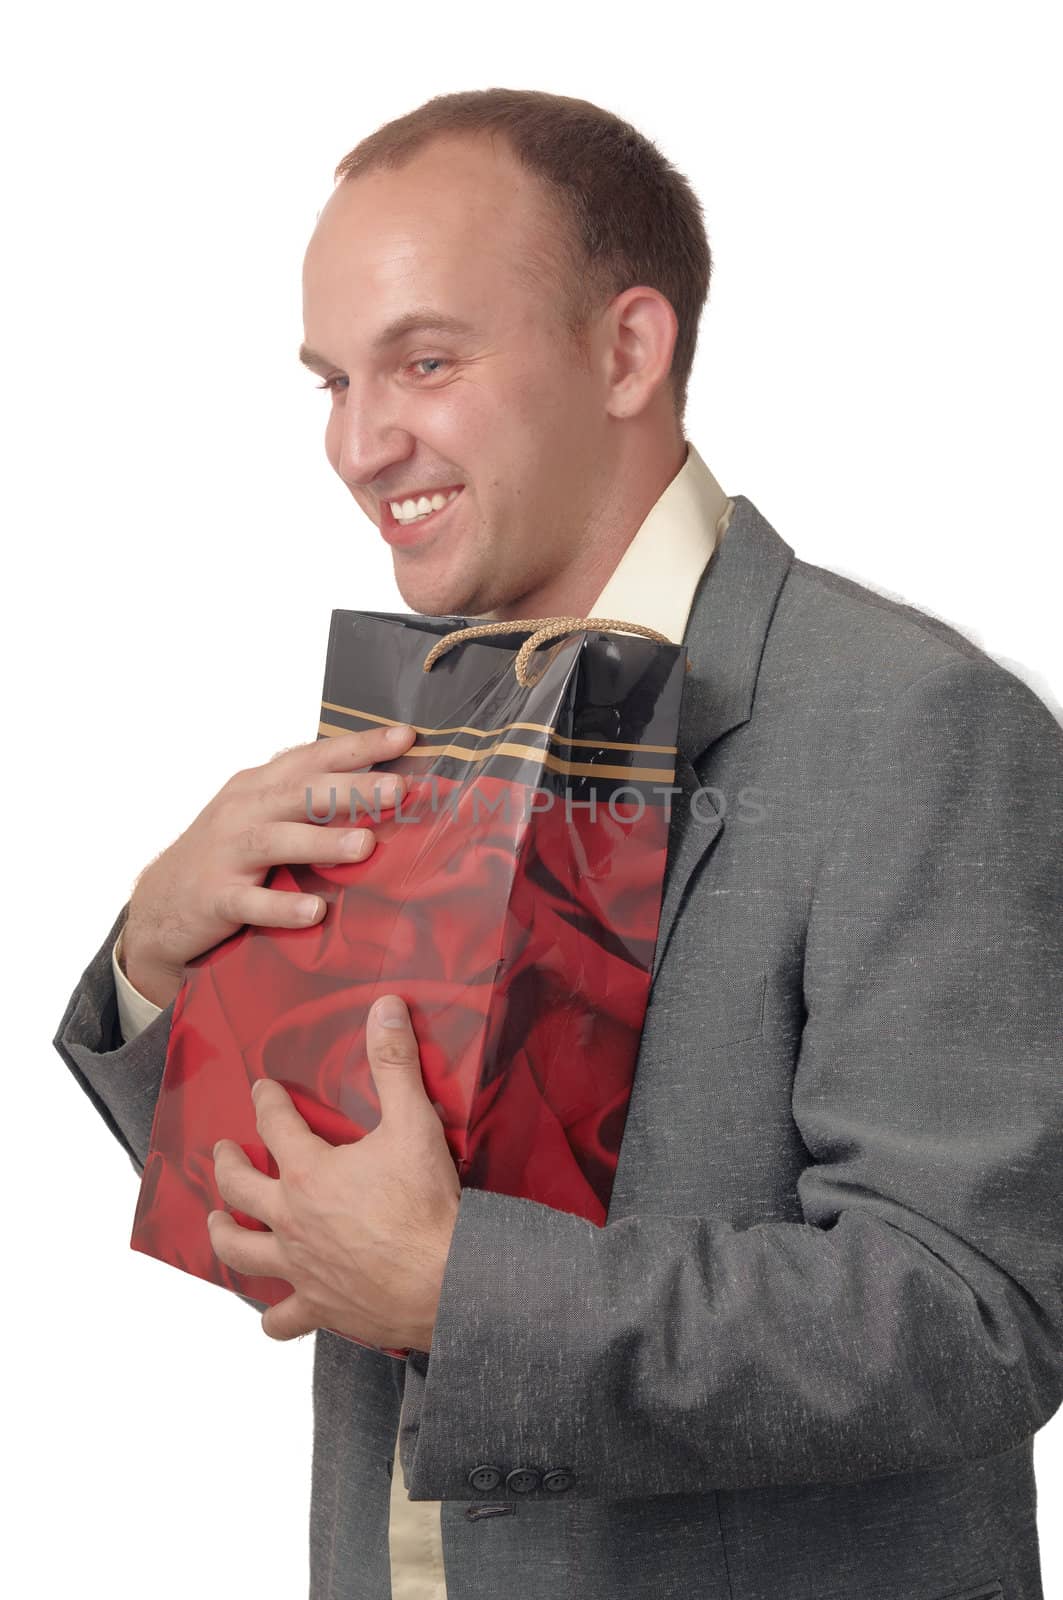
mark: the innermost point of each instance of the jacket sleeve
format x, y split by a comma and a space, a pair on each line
122, 1078
914, 1318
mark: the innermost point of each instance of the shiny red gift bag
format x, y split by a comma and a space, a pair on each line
512, 900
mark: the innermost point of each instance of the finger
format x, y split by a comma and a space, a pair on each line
323, 796
342, 752
357, 798
286, 843
245, 1249
294, 1146
242, 1185
288, 1319
240, 903
395, 1062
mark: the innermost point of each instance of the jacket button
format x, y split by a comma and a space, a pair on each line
485, 1478
521, 1480
557, 1480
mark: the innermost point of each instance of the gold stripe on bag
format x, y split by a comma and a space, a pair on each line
491, 733
521, 752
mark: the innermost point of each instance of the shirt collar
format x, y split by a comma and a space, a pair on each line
654, 581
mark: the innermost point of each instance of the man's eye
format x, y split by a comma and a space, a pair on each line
439, 361
328, 382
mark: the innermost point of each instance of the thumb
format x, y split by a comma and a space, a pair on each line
394, 1058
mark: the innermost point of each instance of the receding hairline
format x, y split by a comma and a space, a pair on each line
550, 263
556, 254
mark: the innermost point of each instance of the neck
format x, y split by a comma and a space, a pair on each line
628, 500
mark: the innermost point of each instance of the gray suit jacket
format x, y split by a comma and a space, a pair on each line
806, 1356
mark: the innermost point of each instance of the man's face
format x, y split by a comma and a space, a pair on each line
508, 411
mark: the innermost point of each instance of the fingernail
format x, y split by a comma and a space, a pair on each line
306, 907
217, 1147
390, 1012
399, 734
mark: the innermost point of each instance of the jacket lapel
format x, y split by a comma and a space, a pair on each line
726, 629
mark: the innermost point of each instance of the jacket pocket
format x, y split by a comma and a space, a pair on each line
990, 1590
731, 1009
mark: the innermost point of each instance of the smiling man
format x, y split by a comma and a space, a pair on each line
810, 1349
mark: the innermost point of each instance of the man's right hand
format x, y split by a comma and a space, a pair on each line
209, 883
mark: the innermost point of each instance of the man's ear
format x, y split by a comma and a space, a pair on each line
638, 332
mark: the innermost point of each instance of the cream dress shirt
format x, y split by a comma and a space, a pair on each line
653, 583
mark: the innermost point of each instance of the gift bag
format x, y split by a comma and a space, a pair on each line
512, 900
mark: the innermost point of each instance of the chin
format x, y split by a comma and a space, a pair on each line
432, 604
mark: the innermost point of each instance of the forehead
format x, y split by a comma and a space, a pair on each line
462, 220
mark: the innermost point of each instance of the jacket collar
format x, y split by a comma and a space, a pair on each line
728, 624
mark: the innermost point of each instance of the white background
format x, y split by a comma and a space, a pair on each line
878, 371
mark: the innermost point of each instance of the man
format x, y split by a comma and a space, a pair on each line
808, 1353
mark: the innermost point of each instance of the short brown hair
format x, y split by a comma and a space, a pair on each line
627, 215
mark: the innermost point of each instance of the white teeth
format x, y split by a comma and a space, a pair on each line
414, 510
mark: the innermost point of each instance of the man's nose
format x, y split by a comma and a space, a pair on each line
371, 438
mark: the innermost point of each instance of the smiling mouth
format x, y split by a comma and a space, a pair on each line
389, 521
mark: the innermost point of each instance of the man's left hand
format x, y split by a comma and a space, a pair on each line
361, 1231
